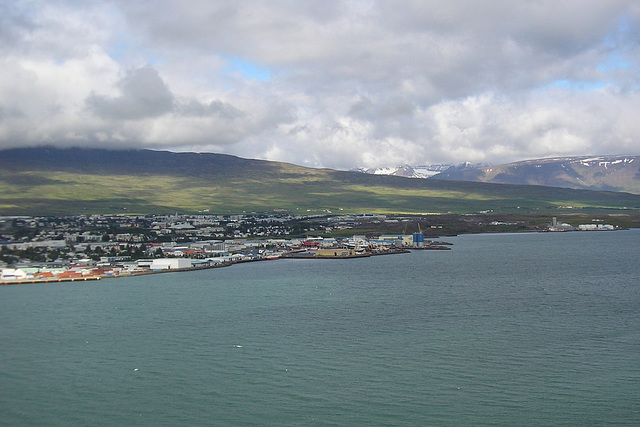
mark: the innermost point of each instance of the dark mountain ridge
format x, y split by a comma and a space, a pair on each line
97, 160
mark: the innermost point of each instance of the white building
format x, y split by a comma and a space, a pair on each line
596, 227
170, 263
12, 274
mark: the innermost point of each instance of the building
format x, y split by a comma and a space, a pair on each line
555, 226
12, 274
335, 253
596, 227
400, 240
170, 263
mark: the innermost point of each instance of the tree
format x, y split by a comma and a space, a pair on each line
139, 252
53, 255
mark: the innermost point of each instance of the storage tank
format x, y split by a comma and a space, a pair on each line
418, 240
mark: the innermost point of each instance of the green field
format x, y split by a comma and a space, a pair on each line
74, 181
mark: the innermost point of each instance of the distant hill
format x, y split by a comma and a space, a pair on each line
610, 173
52, 181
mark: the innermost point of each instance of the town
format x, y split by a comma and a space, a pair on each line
92, 247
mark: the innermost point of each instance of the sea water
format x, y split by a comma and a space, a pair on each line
504, 329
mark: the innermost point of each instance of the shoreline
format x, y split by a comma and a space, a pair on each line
287, 255
182, 270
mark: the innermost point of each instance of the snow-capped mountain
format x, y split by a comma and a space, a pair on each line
422, 171
613, 173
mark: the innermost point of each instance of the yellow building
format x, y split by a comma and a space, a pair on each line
337, 253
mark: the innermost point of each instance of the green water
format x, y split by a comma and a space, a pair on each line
535, 329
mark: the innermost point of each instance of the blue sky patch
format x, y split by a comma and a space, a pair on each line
613, 63
249, 70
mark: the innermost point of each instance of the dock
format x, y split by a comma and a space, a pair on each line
50, 280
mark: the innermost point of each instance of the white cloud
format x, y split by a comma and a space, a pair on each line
338, 84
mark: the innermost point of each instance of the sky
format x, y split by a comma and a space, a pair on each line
325, 83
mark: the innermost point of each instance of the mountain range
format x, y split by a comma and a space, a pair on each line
55, 181
608, 173
407, 171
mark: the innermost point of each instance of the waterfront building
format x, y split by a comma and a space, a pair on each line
170, 263
596, 227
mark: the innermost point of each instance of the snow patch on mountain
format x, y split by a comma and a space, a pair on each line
407, 171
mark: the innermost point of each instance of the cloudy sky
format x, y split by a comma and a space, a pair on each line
325, 83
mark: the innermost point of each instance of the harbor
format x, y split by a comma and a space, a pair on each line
201, 255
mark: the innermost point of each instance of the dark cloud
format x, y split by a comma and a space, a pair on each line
15, 23
389, 107
214, 108
143, 94
10, 113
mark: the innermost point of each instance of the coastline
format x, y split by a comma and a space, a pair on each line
375, 247
288, 255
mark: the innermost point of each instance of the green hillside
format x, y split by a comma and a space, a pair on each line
48, 181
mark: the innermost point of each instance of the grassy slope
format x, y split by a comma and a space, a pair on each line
60, 182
